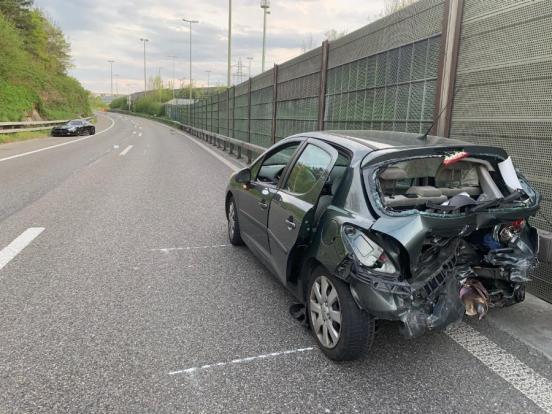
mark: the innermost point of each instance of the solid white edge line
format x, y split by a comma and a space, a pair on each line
125, 151
8, 253
526, 380
62, 144
240, 360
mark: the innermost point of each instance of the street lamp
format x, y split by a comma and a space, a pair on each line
173, 77
229, 76
265, 5
111, 62
208, 76
116, 76
191, 22
144, 40
250, 59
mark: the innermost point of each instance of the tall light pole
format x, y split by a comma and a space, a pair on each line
191, 22
229, 76
250, 59
111, 62
173, 77
208, 77
116, 76
265, 5
144, 40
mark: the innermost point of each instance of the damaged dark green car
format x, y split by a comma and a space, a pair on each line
368, 225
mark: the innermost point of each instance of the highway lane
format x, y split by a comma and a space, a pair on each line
132, 288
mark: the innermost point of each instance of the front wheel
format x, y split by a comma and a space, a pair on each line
343, 331
233, 224
92, 131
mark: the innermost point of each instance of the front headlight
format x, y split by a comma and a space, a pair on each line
367, 252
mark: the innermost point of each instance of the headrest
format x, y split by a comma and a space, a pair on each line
424, 191
393, 173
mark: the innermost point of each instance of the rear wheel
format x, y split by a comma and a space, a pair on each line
92, 131
343, 331
233, 224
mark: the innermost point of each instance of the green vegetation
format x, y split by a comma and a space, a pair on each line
153, 103
24, 135
34, 60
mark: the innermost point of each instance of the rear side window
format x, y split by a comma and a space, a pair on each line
309, 168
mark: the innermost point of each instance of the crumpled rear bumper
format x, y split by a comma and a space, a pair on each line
434, 304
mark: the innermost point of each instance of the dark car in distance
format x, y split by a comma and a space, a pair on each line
74, 127
368, 225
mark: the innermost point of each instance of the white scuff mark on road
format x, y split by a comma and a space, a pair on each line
530, 383
125, 151
240, 361
172, 249
140, 134
115, 146
133, 132
8, 253
24, 154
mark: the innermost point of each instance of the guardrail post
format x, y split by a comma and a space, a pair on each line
274, 103
323, 81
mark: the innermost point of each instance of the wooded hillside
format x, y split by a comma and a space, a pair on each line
34, 60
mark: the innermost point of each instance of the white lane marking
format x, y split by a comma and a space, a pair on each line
125, 151
15, 247
526, 380
171, 249
240, 361
62, 144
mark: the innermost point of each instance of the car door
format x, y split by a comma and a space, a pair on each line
255, 197
292, 207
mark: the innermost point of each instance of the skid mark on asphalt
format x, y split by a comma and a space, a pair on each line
172, 249
526, 380
8, 253
240, 361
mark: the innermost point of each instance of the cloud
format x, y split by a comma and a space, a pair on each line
100, 30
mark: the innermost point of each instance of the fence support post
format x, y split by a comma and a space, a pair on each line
274, 103
448, 63
323, 80
248, 152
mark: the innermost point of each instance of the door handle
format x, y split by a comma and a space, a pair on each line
263, 204
290, 223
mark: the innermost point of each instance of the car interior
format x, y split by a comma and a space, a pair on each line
417, 182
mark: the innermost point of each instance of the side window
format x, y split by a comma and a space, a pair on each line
309, 168
274, 164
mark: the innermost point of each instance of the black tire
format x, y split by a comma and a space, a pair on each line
234, 234
92, 131
357, 328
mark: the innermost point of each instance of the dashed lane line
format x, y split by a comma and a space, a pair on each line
240, 361
172, 249
8, 253
24, 154
125, 151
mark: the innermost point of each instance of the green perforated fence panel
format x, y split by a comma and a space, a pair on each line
504, 93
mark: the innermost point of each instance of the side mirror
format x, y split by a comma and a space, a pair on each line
244, 176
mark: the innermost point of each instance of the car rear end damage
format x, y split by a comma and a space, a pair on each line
451, 236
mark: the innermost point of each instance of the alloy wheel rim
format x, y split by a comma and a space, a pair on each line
325, 312
231, 220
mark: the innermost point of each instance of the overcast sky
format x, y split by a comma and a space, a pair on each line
100, 30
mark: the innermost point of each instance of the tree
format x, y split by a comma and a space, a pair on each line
392, 6
333, 34
17, 12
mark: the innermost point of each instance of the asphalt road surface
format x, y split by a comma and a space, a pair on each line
124, 296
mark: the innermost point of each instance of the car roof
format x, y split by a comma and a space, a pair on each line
376, 140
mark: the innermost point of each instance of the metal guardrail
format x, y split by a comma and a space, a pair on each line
12, 127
